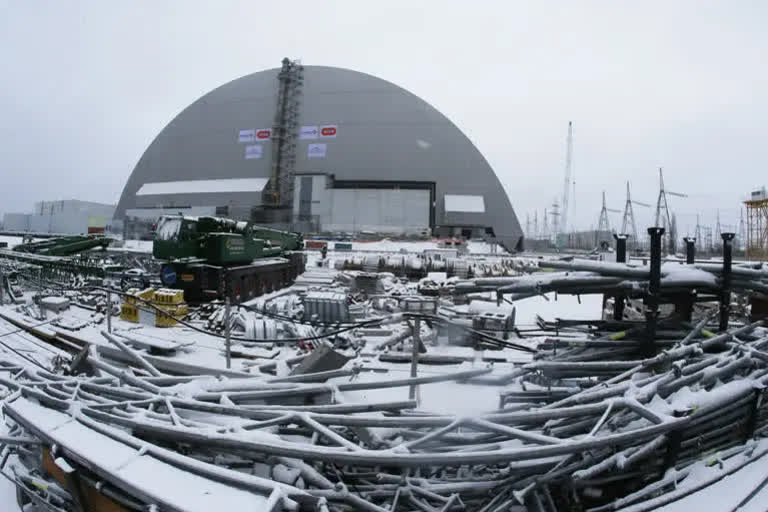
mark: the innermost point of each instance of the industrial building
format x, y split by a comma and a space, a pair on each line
320, 149
69, 216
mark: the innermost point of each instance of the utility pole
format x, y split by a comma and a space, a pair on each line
527, 225
699, 240
536, 224
673, 235
568, 179
555, 220
741, 241
718, 233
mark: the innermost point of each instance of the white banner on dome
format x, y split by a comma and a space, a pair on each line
246, 136
316, 150
254, 152
308, 132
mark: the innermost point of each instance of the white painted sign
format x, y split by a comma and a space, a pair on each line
464, 203
316, 150
308, 132
263, 135
254, 152
329, 131
247, 136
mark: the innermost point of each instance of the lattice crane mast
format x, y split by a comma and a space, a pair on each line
279, 189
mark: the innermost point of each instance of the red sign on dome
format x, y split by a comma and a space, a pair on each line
329, 131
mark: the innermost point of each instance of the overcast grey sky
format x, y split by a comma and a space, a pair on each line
86, 85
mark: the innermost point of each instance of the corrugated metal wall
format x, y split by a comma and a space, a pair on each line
69, 216
382, 211
16, 221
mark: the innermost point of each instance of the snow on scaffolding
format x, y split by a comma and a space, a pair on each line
203, 186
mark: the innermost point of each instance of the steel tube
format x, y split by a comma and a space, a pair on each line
654, 285
143, 363
384, 458
725, 294
345, 386
690, 250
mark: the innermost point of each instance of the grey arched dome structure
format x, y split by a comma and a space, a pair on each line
385, 134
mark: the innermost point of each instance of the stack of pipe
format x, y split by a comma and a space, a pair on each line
581, 427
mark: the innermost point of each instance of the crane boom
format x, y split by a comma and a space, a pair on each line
567, 185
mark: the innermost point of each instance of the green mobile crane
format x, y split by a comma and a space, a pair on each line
212, 257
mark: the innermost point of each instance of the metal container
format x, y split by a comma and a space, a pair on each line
326, 306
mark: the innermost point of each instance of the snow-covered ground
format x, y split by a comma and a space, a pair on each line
416, 246
7, 488
8, 496
137, 245
728, 493
385, 245
549, 307
10, 240
466, 399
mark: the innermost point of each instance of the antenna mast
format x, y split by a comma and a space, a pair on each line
568, 179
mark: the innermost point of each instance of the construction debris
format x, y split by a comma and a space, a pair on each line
326, 396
